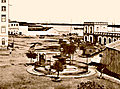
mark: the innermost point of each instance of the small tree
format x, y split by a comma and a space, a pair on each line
58, 67
68, 49
31, 53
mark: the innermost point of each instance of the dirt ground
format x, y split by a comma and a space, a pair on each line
13, 74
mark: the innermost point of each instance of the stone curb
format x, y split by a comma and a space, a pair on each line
32, 71
90, 73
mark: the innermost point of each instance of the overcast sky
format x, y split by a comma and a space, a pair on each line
71, 11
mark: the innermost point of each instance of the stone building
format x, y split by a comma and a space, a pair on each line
100, 32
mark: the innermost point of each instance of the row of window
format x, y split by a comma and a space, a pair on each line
13, 25
3, 1
3, 19
97, 29
14, 33
100, 40
105, 40
3, 8
86, 30
91, 39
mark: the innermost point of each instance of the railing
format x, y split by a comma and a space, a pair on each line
107, 34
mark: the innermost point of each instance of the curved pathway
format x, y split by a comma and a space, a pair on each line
91, 71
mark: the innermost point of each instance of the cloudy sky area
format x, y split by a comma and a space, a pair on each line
69, 11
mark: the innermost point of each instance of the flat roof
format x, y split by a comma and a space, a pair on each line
95, 23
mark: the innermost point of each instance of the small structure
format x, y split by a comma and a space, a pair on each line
47, 56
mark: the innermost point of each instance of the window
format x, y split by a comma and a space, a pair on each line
85, 30
16, 24
11, 33
104, 41
11, 24
109, 40
97, 29
3, 18
90, 29
85, 38
20, 33
8, 32
99, 40
3, 41
3, 29
91, 39
114, 40
3, 8
3, 1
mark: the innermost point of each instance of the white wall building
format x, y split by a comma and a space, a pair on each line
33, 29
23, 30
29, 30
99, 32
4, 23
13, 28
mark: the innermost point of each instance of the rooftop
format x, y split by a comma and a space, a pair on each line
115, 45
95, 23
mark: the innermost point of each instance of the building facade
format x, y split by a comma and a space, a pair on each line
99, 32
4, 24
13, 28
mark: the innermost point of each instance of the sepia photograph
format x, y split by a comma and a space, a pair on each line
59, 44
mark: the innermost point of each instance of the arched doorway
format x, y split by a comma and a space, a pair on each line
109, 40
3, 41
91, 30
104, 41
114, 40
85, 38
91, 39
100, 40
